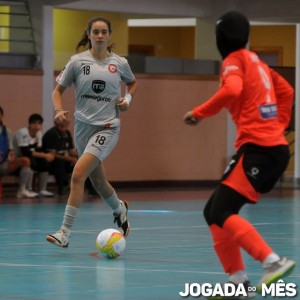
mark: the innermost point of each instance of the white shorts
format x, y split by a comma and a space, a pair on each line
97, 140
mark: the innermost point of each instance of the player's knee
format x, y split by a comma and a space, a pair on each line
215, 216
219, 217
23, 161
78, 177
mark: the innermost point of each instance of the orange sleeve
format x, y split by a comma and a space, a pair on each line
231, 89
285, 98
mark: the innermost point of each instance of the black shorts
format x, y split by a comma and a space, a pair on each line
254, 170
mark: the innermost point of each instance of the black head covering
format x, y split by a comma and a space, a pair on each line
232, 32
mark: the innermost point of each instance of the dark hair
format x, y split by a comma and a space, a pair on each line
1, 110
35, 118
84, 41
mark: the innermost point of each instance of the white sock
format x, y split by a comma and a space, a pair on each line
43, 178
69, 217
238, 277
29, 181
270, 259
114, 202
23, 178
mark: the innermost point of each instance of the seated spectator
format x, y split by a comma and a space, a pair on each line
58, 139
28, 142
10, 165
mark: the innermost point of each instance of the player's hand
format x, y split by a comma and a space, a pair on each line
190, 119
123, 104
11, 156
50, 156
61, 116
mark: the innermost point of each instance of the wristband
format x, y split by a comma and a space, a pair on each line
58, 110
128, 98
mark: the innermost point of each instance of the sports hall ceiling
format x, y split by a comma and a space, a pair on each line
282, 11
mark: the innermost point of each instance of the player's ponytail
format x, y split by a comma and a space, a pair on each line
83, 41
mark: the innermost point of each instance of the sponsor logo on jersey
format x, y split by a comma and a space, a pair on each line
268, 111
97, 147
112, 68
97, 98
98, 86
86, 64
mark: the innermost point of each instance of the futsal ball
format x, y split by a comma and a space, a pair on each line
110, 243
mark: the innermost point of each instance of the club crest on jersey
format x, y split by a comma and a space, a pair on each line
98, 86
112, 68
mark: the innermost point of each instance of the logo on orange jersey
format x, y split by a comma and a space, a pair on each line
230, 68
268, 111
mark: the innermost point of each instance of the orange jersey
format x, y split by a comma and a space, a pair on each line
258, 99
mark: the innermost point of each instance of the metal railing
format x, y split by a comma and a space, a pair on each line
16, 34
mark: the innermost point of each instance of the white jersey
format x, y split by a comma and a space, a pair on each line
97, 86
22, 138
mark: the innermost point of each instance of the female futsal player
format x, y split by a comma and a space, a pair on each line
96, 74
260, 103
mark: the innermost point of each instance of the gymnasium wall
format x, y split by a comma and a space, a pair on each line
68, 29
154, 143
165, 41
276, 36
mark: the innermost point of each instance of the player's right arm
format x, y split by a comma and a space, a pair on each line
60, 113
230, 91
64, 80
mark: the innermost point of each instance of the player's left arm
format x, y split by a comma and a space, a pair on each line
285, 97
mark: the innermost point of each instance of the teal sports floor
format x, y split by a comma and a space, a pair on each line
169, 246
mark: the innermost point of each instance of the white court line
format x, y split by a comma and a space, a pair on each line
126, 269
106, 268
96, 231
29, 231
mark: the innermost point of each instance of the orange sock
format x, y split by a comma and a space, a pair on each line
227, 250
247, 237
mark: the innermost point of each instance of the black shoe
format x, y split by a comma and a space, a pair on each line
121, 219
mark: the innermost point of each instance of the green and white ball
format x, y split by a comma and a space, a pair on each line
110, 243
